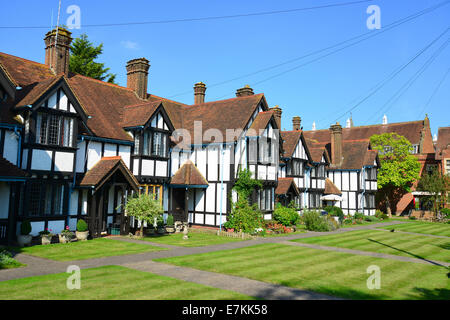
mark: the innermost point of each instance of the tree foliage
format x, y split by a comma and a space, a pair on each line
82, 56
399, 168
437, 185
144, 208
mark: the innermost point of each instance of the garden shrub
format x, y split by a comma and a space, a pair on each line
381, 215
82, 226
335, 212
6, 259
371, 218
244, 217
315, 222
25, 228
285, 215
412, 218
358, 215
170, 220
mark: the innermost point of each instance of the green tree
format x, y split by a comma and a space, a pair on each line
144, 208
399, 168
82, 56
245, 184
437, 185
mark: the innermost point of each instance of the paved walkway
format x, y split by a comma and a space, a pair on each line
143, 261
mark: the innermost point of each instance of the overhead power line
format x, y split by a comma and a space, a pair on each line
325, 6
364, 37
405, 87
393, 75
434, 93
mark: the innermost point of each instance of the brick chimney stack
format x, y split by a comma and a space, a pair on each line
245, 91
296, 123
57, 46
137, 76
277, 115
336, 144
199, 93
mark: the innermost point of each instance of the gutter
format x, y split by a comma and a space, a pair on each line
308, 178
98, 139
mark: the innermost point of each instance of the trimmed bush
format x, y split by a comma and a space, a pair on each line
371, 218
82, 226
285, 215
25, 228
412, 218
446, 212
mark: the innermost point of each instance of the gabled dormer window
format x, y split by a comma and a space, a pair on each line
56, 130
154, 143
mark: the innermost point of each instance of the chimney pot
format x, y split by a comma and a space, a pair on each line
245, 91
277, 115
57, 49
296, 123
137, 76
336, 144
199, 93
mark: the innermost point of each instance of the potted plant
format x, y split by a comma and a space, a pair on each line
160, 226
66, 235
82, 232
170, 224
46, 236
24, 238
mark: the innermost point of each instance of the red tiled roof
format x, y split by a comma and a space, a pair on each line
138, 115
104, 169
330, 188
260, 123
7, 169
284, 184
290, 141
232, 114
188, 175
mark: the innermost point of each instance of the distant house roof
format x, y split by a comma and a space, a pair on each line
10, 171
443, 141
188, 176
285, 185
411, 130
104, 169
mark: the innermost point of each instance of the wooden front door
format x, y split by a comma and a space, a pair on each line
96, 218
178, 205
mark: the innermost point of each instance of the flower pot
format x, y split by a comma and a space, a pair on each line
161, 230
170, 229
46, 239
82, 235
63, 239
24, 240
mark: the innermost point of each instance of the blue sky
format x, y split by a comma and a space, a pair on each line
213, 51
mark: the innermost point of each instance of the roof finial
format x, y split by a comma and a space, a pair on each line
314, 125
385, 121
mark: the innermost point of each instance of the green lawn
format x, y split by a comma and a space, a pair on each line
196, 239
396, 243
109, 283
434, 228
334, 273
80, 250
